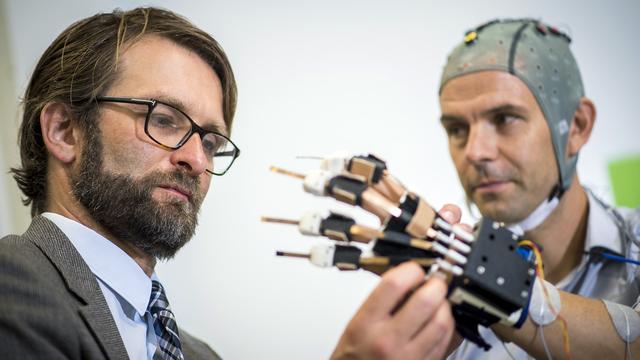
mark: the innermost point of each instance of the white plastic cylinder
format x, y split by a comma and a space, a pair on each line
310, 223
336, 162
316, 181
322, 255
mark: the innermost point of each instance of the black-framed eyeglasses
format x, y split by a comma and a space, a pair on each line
171, 128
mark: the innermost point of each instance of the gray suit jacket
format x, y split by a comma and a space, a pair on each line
51, 306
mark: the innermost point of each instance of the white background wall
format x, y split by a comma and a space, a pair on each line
315, 77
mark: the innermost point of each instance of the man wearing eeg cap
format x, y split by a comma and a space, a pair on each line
513, 104
514, 110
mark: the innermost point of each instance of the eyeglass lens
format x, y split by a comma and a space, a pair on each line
171, 128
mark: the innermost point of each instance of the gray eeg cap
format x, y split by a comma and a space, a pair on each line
540, 56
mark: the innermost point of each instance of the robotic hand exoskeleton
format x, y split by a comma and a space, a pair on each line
490, 275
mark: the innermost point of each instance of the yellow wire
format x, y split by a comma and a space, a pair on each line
540, 275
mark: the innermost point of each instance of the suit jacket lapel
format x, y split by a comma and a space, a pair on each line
81, 282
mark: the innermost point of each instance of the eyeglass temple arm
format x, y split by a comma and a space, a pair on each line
228, 153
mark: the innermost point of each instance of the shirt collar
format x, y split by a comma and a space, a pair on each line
601, 229
108, 262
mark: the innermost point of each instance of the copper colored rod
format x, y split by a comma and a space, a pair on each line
421, 244
365, 232
287, 172
279, 221
377, 204
382, 261
291, 254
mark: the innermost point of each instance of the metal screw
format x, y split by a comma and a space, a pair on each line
496, 225
524, 293
514, 237
480, 269
532, 272
500, 280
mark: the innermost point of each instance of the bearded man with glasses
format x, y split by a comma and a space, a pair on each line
118, 149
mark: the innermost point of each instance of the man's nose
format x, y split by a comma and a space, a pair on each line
191, 157
482, 144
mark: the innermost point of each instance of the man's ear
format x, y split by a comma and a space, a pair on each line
581, 126
59, 132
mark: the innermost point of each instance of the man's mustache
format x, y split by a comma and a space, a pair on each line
178, 179
487, 172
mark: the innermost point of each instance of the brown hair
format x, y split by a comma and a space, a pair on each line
81, 64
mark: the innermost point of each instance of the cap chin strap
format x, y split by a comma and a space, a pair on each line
557, 191
536, 218
543, 210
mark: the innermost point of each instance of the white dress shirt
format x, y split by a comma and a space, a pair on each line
126, 288
601, 232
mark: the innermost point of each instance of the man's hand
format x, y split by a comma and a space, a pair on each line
402, 319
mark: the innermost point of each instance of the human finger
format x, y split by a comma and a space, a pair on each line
436, 335
419, 308
451, 213
392, 289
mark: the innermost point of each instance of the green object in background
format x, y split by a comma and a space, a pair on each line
625, 181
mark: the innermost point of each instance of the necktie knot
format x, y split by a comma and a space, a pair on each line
164, 325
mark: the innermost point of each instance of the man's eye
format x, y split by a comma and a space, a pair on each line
163, 121
211, 145
456, 131
505, 119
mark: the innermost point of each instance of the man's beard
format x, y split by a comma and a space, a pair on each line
125, 208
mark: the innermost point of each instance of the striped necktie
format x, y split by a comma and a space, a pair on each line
164, 325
